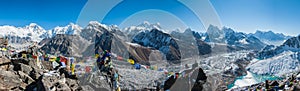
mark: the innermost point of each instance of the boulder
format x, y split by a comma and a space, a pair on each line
47, 65
62, 87
25, 68
73, 84
9, 80
4, 63
47, 83
25, 77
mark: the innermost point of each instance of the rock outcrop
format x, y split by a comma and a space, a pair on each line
23, 74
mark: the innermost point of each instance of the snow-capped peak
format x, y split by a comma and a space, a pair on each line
147, 25
33, 25
142, 27
73, 26
35, 28
71, 29
215, 34
30, 30
22, 35
96, 24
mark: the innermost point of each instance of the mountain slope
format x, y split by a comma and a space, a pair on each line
214, 34
235, 40
279, 60
160, 41
188, 43
68, 45
242, 40
75, 41
292, 44
270, 37
279, 65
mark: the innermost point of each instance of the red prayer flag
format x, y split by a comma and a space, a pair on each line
33, 56
63, 59
119, 58
87, 69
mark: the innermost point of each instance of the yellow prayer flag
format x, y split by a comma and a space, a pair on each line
4, 49
73, 69
155, 68
118, 89
52, 59
170, 73
130, 61
97, 55
24, 55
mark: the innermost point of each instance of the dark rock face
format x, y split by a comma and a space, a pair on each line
190, 44
94, 37
203, 47
67, 45
111, 41
103, 41
17, 39
186, 42
160, 41
168, 83
199, 75
232, 37
267, 52
194, 82
293, 42
44, 41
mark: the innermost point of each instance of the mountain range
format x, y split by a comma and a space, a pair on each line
270, 37
73, 40
222, 53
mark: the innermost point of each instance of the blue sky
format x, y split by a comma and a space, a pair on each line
46, 13
250, 15
241, 15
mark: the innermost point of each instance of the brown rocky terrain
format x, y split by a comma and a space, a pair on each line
23, 74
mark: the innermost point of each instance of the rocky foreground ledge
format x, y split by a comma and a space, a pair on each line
23, 74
